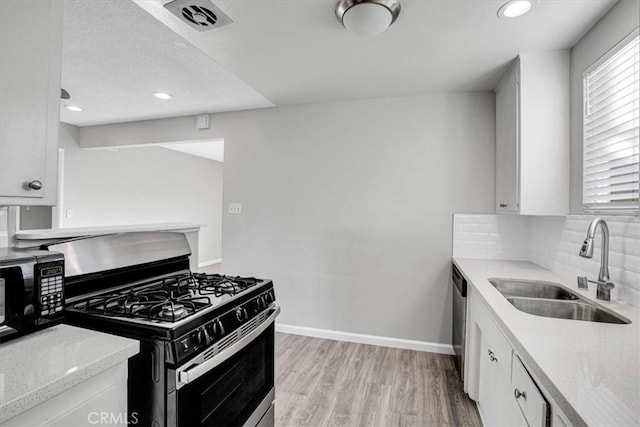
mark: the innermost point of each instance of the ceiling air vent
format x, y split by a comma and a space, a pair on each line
199, 14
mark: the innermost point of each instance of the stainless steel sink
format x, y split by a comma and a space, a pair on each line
550, 299
575, 310
532, 289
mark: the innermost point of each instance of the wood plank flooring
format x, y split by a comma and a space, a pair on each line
333, 383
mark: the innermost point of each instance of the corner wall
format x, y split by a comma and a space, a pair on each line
348, 207
141, 186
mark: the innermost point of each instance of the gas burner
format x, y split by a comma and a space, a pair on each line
165, 300
180, 284
219, 285
173, 311
133, 301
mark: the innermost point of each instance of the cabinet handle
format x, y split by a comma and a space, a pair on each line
503, 205
492, 356
520, 394
35, 185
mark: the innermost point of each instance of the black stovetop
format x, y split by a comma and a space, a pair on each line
164, 307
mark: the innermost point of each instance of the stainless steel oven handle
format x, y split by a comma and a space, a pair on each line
189, 373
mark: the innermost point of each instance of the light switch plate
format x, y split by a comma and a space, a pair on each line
235, 208
202, 121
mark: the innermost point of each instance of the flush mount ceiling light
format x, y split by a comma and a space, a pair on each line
73, 108
162, 95
515, 8
367, 17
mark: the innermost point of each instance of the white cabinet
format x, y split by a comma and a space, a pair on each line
494, 353
506, 393
30, 70
507, 145
495, 403
101, 399
532, 136
531, 402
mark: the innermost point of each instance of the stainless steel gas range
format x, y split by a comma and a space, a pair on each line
207, 341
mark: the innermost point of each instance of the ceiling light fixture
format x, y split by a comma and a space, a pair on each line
367, 17
162, 95
73, 108
515, 8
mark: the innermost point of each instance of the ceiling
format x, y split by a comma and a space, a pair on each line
118, 52
115, 56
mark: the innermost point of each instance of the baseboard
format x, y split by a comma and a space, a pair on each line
429, 347
210, 262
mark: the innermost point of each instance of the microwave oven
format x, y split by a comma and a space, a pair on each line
31, 291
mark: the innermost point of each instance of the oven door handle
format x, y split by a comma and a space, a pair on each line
192, 371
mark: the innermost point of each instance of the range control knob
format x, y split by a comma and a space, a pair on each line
241, 314
203, 337
268, 297
217, 328
261, 304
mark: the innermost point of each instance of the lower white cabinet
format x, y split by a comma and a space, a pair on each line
100, 400
497, 379
497, 408
530, 400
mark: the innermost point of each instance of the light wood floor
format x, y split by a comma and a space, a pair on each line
332, 383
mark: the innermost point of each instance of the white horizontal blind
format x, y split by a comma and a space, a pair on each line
611, 132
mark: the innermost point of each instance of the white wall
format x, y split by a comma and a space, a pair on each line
612, 28
141, 186
347, 207
4, 226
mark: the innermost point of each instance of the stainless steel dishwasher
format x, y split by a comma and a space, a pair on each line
459, 317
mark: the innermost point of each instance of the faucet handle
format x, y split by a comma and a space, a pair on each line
583, 282
607, 285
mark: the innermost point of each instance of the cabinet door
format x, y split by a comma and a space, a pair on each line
496, 402
507, 142
29, 97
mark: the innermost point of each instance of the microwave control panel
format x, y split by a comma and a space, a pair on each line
50, 282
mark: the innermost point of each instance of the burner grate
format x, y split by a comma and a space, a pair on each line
168, 299
219, 285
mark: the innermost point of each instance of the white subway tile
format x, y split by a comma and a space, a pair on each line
554, 243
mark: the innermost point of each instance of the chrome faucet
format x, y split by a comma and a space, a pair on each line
586, 251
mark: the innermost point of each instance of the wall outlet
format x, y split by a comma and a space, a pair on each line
68, 213
235, 208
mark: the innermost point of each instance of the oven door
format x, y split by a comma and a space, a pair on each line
233, 388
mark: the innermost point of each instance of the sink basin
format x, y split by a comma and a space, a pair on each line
574, 310
532, 289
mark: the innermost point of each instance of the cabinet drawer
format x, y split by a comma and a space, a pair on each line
533, 405
499, 350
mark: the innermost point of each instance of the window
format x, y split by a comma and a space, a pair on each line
611, 130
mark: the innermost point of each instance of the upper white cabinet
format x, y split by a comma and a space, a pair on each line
532, 136
30, 72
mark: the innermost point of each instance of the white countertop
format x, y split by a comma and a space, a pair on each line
591, 370
38, 366
61, 233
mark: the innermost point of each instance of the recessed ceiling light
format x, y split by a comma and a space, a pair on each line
162, 95
73, 108
515, 8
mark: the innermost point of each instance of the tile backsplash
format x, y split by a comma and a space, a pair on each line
553, 243
490, 236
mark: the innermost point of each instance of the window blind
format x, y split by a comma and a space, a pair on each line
611, 132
